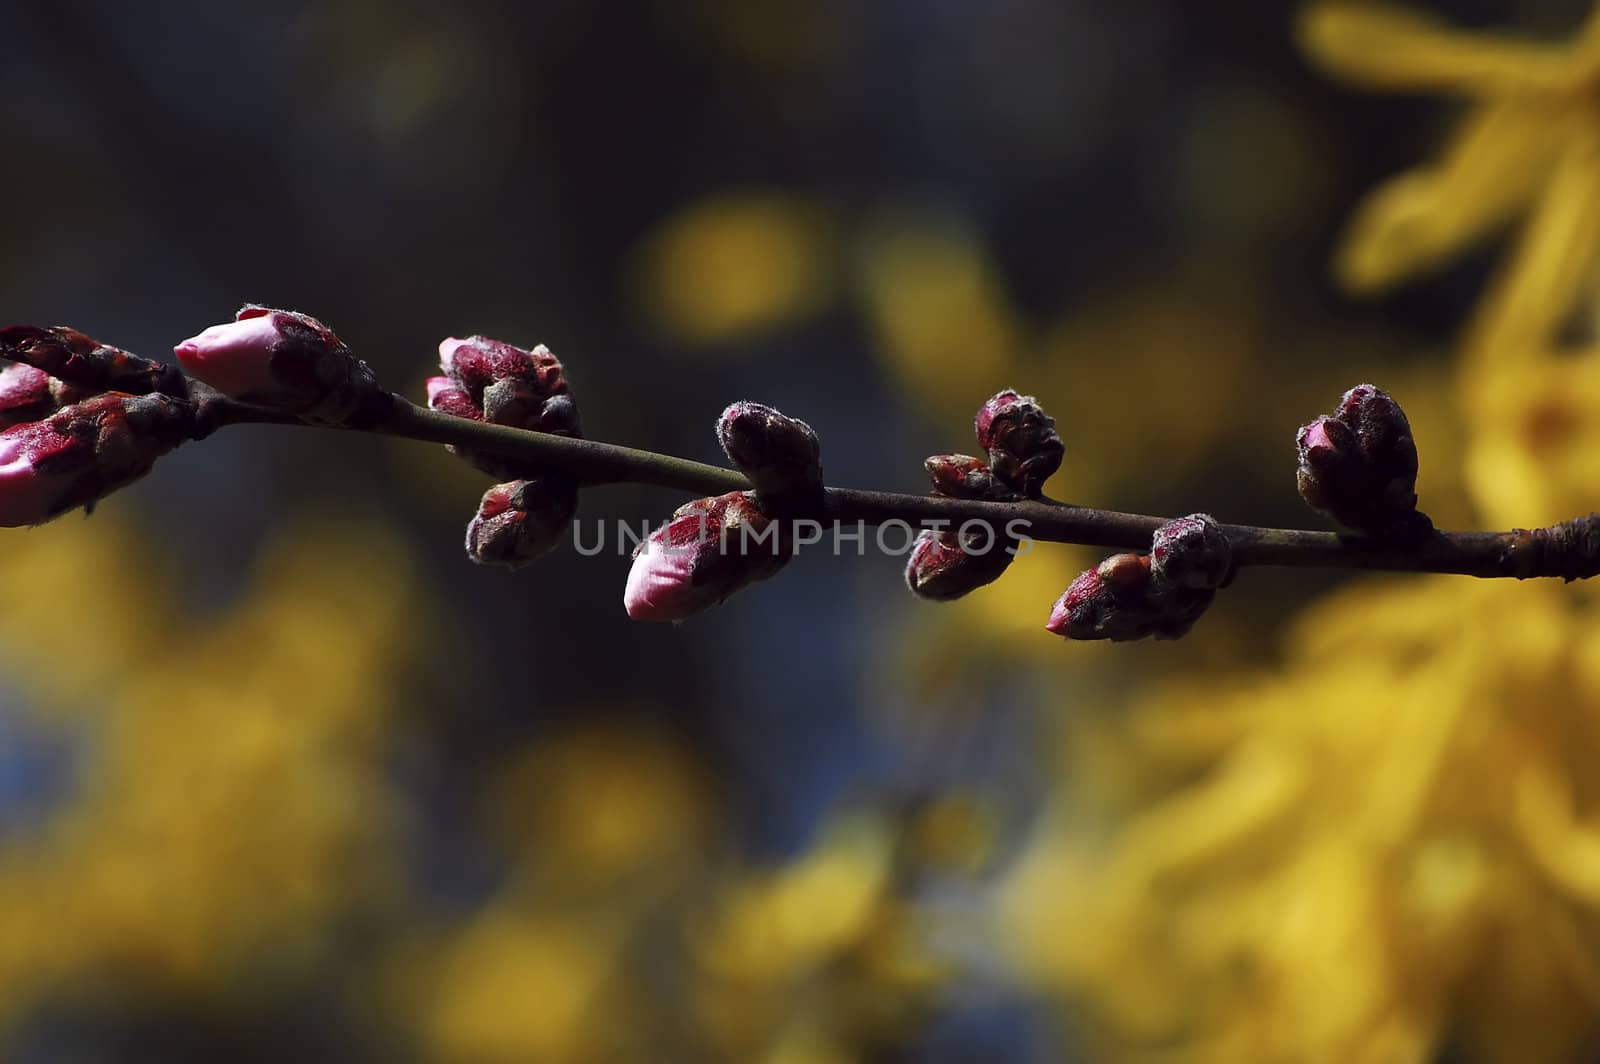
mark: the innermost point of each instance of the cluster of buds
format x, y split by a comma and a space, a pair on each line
946, 564
78, 420
1359, 466
1160, 594
1023, 451
289, 362
713, 547
496, 382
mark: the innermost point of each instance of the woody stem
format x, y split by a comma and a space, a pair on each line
1570, 550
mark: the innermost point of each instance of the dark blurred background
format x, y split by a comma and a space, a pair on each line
283, 776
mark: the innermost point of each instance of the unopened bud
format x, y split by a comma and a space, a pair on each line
85, 451
448, 397
29, 394
287, 361
1191, 552
1359, 465
707, 551
1092, 609
1024, 449
946, 565
1121, 600
477, 362
491, 380
87, 364
961, 476
518, 521
780, 454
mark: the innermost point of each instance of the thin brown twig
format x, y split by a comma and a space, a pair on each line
1570, 550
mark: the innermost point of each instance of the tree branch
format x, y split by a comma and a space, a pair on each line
1570, 550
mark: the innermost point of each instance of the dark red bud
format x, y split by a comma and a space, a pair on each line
1191, 552
89, 366
478, 361
84, 452
518, 521
946, 565
1024, 449
491, 380
1359, 465
1121, 599
961, 476
780, 454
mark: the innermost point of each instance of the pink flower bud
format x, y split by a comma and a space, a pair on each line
448, 397
490, 380
780, 454
1191, 552
1024, 449
707, 551
287, 361
1120, 600
89, 366
961, 476
28, 394
946, 565
478, 361
1359, 466
518, 521
1093, 609
84, 452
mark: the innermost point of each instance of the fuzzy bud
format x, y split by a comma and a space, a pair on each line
287, 361
1090, 608
961, 476
1024, 449
707, 551
85, 451
490, 380
518, 521
780, 454
1122, 599
1359, 465
946, 565
1191, 552
478, 362
86, 364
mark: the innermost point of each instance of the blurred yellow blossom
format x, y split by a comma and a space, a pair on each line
228, 803
601, 805
1353, 854
67, 572
525, 985
1531, 142
1390, 845
1535, 457
736, 264
940, 314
